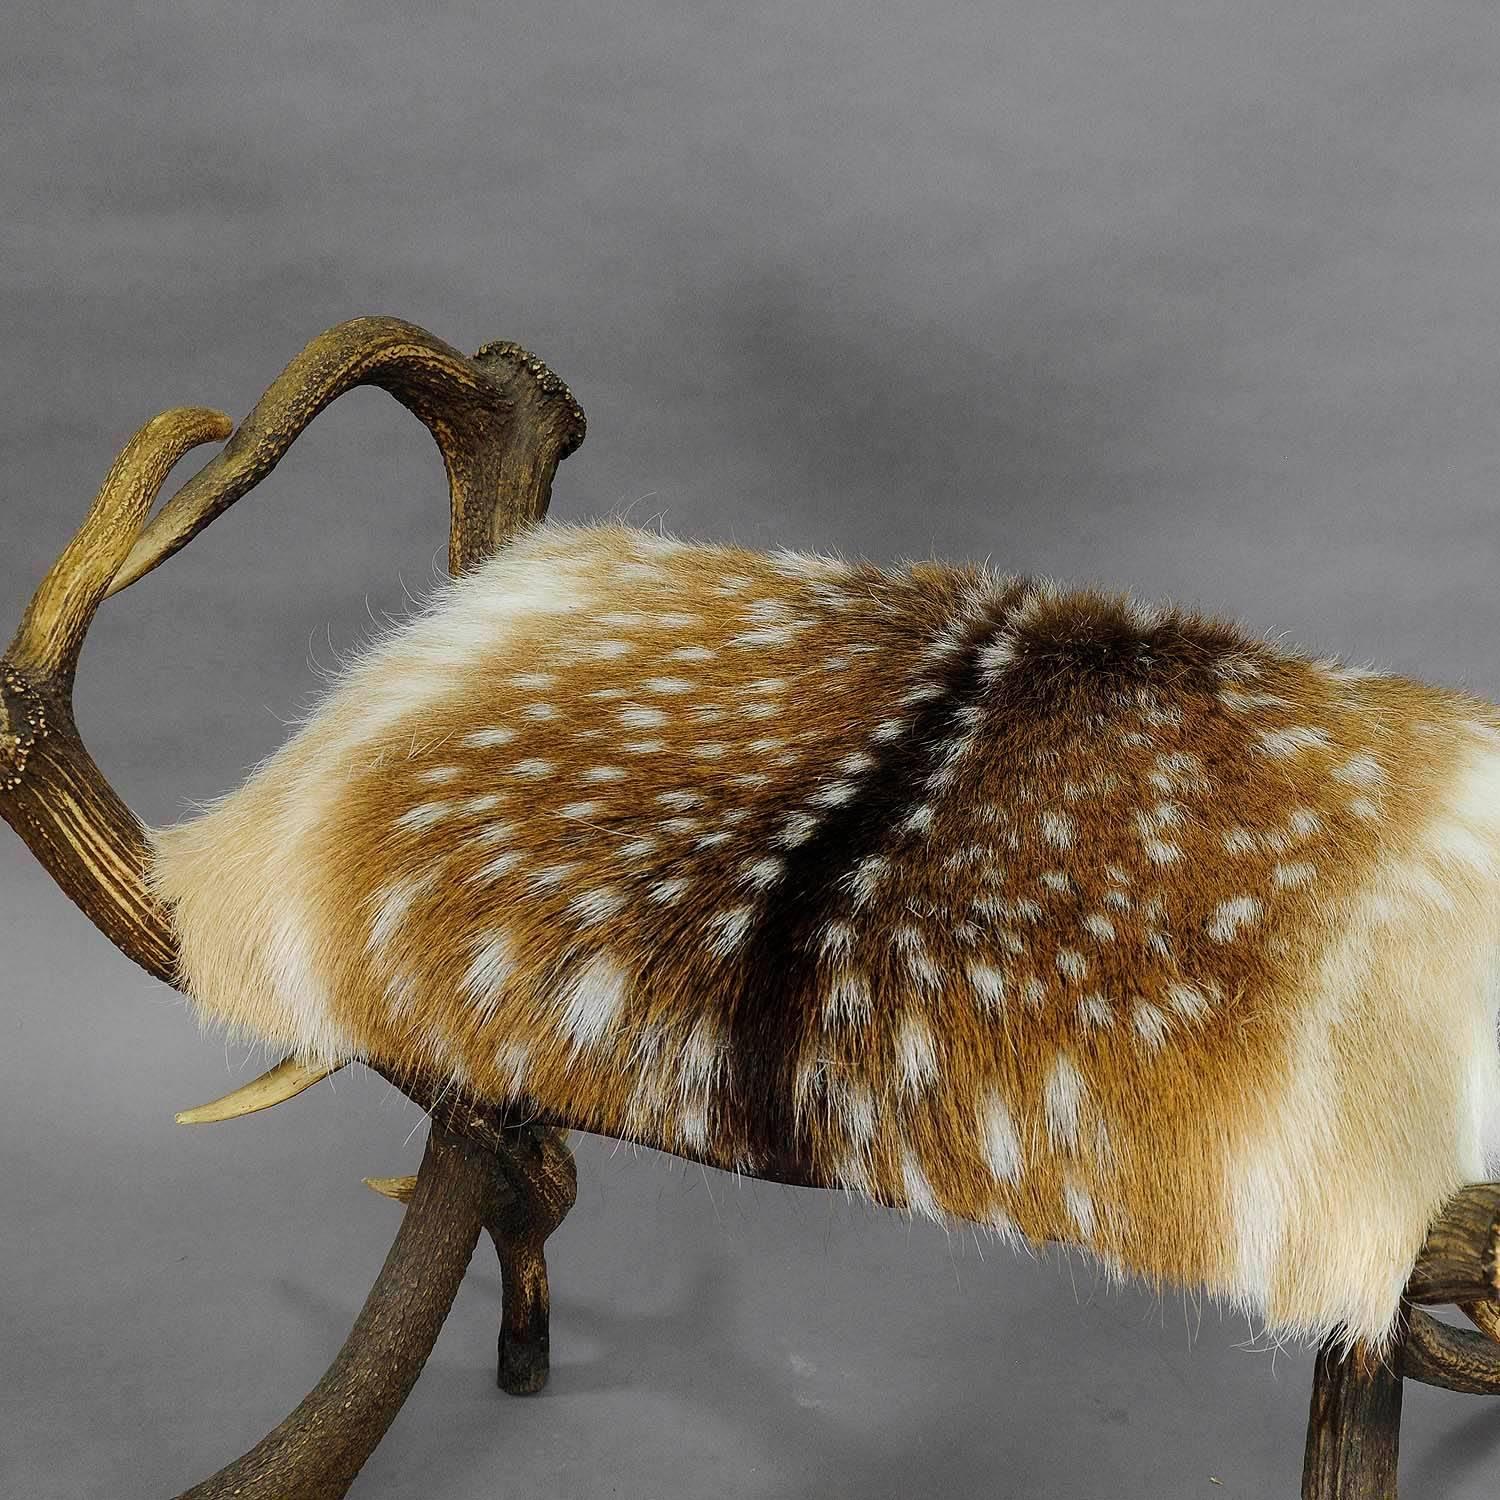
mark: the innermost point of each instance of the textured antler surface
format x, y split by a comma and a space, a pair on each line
502, 421
317, 1451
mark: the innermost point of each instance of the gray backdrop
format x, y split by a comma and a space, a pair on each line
1202, 298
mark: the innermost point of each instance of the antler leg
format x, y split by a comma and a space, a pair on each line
1354, 1426
525, 1340
539, 1170
317, 1451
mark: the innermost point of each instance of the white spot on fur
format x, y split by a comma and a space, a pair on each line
490, 835
1062, 1101
1100, 925
1293, 877
1058, 829
1150, 1023
996, 655
604, 773
1360, 770
597, 905
1071, 964
834, 794
592, 1002
838, 937
532, 769
424, 815
848, 999
611, 649
1284, 742
988, 982
762, 873
1230, 916
998, 1140
668, 891
729, 928
920, 1197
512, 1061
634, 716
796, 828
395, 902
1079, 1205
866, 876
502, 864
919, 819
916, 1055
1305, 822
484, 739
1187, 1001
1094, 1010
493, 963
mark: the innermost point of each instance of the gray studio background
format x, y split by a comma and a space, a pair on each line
1201, 298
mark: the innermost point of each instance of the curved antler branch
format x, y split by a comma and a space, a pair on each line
1460, 1262
317, 1451
59, 615
1454, 1358
51, 792
502, 420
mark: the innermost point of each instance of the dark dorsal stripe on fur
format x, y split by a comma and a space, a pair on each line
776, 996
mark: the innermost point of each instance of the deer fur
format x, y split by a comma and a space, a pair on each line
1078, 918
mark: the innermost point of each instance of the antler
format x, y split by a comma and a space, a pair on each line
502, 422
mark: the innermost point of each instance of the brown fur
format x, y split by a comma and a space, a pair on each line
1044, 910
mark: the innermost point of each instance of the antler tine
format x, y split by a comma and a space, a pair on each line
52, 630
502, 421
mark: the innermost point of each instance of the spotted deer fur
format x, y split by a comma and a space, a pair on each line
1070, 916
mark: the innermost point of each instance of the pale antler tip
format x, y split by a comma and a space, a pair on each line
285, 1081
397, 1189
